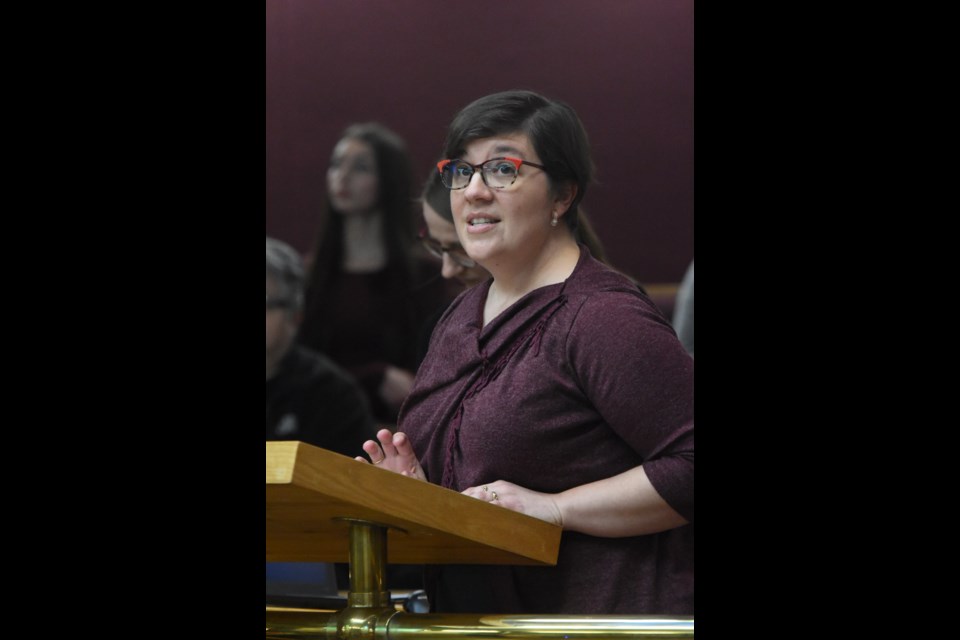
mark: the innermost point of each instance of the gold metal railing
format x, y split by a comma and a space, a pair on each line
393, 625
369, 615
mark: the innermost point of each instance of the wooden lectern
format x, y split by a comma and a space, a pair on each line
326, 507
313, 495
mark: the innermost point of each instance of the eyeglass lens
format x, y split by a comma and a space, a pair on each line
497, 173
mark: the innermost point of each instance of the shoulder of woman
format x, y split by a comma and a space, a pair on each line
611, 314
621, 330
617, 309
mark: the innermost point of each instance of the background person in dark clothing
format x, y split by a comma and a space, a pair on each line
309, 398
369, 288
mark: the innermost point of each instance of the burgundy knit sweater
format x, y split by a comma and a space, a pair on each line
575, 382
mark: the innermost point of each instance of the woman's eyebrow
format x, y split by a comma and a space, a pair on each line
506, 149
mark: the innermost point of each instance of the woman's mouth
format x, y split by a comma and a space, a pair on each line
477, 223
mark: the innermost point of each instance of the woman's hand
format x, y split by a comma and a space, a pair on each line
506, 494
393, 452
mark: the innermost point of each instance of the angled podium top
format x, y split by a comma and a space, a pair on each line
310, 490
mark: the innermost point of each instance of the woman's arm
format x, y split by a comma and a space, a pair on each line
623, 505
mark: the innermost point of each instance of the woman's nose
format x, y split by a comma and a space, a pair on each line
476, 188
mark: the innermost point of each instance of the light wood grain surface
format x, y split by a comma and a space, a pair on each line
309, 489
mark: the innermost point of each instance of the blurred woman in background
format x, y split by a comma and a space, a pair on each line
368, 294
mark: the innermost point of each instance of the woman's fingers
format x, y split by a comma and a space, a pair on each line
485, 492
394, 452
385, 436
372, 449
402, 444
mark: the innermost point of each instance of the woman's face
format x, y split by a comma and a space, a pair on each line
504, 228
352, 179
442, 232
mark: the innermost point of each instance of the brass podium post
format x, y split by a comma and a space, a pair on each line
368, 565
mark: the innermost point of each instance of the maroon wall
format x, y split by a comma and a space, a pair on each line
626, 66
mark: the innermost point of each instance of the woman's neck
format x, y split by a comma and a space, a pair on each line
510, 283
364, 245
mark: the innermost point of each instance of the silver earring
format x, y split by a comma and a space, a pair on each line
553, 222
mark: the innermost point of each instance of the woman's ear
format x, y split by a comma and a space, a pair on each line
564, 197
